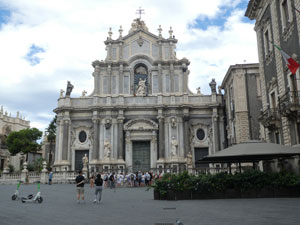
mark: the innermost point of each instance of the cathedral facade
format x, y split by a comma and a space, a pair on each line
141, 114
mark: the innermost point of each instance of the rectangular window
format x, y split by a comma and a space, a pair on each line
114, 85
126, 85
114, 54
155, 84
167, 83
277, 138
267, 42
267, 39
105, 85
286, 13
176, 83
273, 100
298, 132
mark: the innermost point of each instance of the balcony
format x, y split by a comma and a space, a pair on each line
270, 118
290, 104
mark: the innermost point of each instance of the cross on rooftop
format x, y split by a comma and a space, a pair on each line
140, 11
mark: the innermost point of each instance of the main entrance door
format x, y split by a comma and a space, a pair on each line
78, 158
140, 156
199, 154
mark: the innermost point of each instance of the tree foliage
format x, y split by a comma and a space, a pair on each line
51, 136
24, 141
51, 130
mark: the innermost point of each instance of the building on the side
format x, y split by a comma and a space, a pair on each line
8, 124
141, 114
242, 97
278, 22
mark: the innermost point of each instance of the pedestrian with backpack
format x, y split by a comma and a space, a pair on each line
98, 188
112, 181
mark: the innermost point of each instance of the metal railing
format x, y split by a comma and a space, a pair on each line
290, 99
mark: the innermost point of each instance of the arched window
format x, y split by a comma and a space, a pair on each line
140, 80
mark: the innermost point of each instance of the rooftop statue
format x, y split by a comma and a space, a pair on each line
69, 89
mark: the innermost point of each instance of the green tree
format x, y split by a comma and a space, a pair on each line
51, 136
24, 141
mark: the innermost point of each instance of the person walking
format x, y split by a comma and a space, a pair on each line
98, 188
80, 186
50, 177
112, 181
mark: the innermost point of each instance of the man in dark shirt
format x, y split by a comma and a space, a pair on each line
80, 187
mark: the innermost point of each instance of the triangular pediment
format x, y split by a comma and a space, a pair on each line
138, 33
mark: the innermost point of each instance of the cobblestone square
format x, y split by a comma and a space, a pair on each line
135, 206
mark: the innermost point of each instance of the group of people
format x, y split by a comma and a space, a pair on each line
80, 181
112, 180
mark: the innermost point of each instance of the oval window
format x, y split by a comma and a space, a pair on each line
82, 136
200, 134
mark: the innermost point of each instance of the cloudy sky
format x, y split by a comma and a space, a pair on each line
45, 43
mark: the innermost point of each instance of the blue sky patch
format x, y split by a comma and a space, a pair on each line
31, 55
4, 16
204, 22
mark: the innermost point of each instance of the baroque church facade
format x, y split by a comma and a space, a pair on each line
141, 114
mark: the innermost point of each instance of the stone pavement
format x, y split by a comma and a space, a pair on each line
135, 206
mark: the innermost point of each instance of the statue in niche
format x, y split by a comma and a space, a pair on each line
107, 123
173, 122
189, 158
69, 89
107, 147
174, 145
85, 161
141, 88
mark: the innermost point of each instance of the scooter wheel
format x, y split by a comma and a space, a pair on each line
40, 200
23, 200
14, 197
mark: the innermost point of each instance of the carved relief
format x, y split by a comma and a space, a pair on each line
137, 124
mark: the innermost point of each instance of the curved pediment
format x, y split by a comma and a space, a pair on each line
140, 124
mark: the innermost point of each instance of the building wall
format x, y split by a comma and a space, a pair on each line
242, 97
275, 75
8, 124
118, 114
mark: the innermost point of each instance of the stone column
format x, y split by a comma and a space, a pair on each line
109, 79
161, 138
95, 152
120, 138
128, 151
186, 134
215, 119
65, 145
160, 78
59, 140
172, 77
121, 79
153, 150
96, 75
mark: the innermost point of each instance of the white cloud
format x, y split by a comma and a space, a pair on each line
72, 35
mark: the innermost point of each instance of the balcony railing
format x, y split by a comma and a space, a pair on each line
290, 103
270, 118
